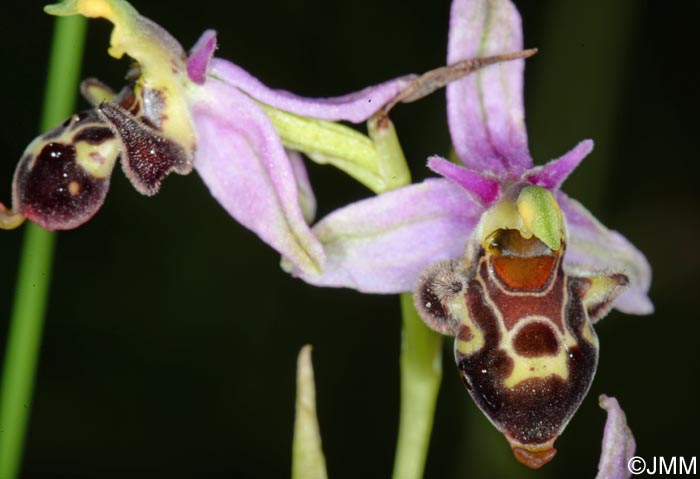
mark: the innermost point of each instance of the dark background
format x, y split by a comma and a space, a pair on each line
172, 334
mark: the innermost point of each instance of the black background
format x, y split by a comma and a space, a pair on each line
171, 335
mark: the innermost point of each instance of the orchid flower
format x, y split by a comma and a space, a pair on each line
181, 112
497, 255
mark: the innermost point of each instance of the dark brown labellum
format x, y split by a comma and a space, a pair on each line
524, 343
63, 177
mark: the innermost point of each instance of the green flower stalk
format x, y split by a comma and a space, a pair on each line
421, 374
34, 278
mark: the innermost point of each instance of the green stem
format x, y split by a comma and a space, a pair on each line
421, 348
421, 373
24, 335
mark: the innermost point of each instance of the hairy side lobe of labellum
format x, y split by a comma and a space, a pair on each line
147, 156
136, 117
63, 176
524, 341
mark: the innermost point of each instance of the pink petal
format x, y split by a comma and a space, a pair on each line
485, 190
241, 159
593, 246
355, 107
201, 54
485, 109
383, 244
554, 173
307, 199
618, 442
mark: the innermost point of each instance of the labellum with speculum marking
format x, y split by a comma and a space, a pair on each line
524, 341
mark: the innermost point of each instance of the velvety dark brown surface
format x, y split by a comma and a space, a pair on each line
534, 410
56, 192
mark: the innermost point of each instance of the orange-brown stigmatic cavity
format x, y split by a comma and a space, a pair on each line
524, 342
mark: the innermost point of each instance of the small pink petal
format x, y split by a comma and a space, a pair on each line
355, 107
554, 173
200, 55
485, 190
